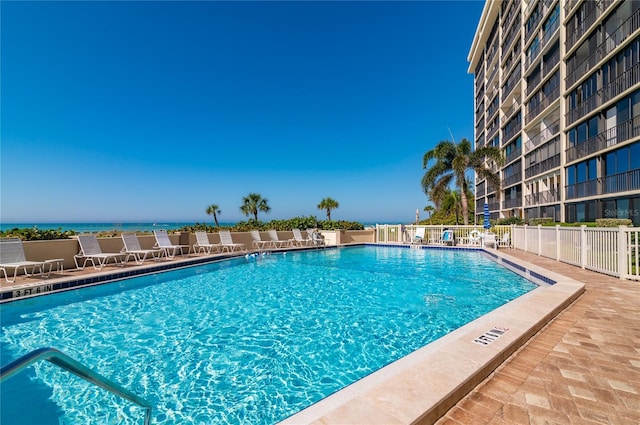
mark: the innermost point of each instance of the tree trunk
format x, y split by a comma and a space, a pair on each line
328, 214
465, 205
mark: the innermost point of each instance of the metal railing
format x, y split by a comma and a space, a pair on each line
618, 134
621, 182
67, 363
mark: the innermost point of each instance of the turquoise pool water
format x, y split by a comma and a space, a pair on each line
242, 341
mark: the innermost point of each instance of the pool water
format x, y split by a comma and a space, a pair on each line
242, 341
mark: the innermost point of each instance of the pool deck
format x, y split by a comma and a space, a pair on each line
583, 367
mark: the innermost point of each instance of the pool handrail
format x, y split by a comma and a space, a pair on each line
62, 360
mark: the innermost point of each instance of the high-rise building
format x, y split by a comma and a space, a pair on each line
557, 88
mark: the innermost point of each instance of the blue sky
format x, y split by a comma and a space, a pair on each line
150, 111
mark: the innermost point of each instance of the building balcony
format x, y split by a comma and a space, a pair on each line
513, 33
549, 32
569, 5
511, 180
480, 141
515, 154
611, 42
493, 206
533, 55
545, 197
513, 108
513, 80
511, 203
621, 182
543, 166
625, 81
584, 107
533, 84
544, 102
618, 134
513, 131
550, 63
585, 25
546, 134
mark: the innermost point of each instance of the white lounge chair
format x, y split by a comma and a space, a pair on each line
90, 251
419, 236
12, 257
164, 243
300, 240
277, 243
505, 241
203, 245
257, 241
489, 239
133, 249
315, 237
227, 242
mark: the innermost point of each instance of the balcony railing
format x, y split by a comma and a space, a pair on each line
545, 197
512, 203
513, 179
550, 63
533, 55
511, 110
603, 49
513, 32
587, 22
618, 134
546, 101
626, 80
533, 84
569, 5
543, 166
493, 206
513, 155
548, 34
584, 107
511, 82
546, 134
515, 129
621, 182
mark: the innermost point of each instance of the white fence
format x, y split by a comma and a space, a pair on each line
612, 251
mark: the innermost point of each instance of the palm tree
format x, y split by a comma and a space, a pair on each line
429, 209
328, 204
214, 210
452, 161
254, 203
451, 204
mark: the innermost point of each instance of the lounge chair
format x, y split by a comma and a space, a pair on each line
490, 239
300, 240
133, 249
418, 239
315, 236
12, 257
227, 242
448, 238
203, 245
164, 243
257, 241
505, 241
90, 251
277, 243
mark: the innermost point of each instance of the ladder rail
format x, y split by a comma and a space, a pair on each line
63, 361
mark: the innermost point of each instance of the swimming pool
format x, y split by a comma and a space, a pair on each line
243, 341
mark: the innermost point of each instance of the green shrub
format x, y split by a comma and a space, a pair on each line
35, 234
541, 220
614, 222
509, 220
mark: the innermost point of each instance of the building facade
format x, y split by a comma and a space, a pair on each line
557, 89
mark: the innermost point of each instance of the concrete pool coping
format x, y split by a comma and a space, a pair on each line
422, 386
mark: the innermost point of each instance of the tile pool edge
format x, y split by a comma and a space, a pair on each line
422, 386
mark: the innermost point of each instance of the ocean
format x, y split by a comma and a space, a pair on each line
104, 227
119, 227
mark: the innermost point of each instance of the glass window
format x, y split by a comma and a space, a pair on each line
622, 160
573, 133
635, 156
610, 164
623, 208
582, 132
581, 172
592, 169
623, 110
609, 209
580, 213
571, 175
593, 127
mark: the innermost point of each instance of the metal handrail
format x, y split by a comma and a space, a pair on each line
62, 360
